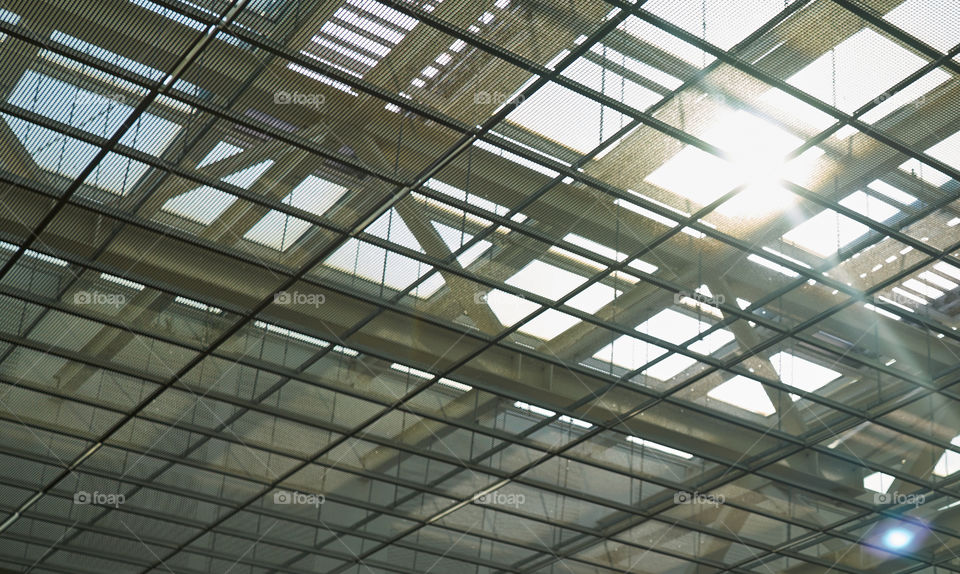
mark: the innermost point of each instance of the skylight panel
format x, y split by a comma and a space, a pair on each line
594, 298
604, 251
454, 239
353, 39
611, 84
763, 261
198, 305
645, 212
947, 151
947, 269
910, 95
342, 34
455, 385
923, 171
548, 325
92, 113
720, 22
534, 409
221, 151
375, 264
878, 482
879, 311
641, 68
911, 296
585, 122
757, 149
545, 280
35, 254
629, 353
744, 393
923, 289
202, 205
171, 14
660, 447
827, 232
9, 18
548, 413
857, 70
124, 282
391, 227
321, 78
656, 216
187, 21
892, 192
115, 59
801, 373
649, 34
676, 328
949, 462
385, 33
205, 204
875, 209
941, 282
296, 335
411, 371
785, 256
384, 12
797, 110
509, 155
670, 367
279, 230
936, 23
344, 51
472, 199
509, 308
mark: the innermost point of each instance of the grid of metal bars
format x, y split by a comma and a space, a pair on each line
177, 397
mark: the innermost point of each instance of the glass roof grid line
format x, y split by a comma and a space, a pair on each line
287, 209
201, 104
535, 159
520, 479
253, 39
412, 546
899, 33
182, 64
735, 311
141, 376
135, 116
791, 90
319, 259
762, 380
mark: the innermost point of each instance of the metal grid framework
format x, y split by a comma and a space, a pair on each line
528, 286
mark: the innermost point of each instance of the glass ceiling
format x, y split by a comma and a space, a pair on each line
397, 286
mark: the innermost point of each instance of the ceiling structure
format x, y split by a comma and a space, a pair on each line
526, 286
